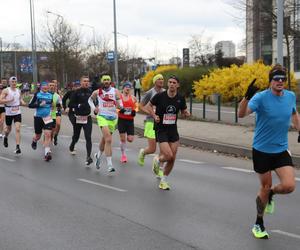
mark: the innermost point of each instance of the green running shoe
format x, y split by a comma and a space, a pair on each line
141, 157
258, 233
155, 165
164, 185
270, 207
160, 174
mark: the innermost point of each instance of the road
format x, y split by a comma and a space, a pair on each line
227, 114
66, 205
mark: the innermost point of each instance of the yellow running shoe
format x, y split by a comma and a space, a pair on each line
270, 207
164, 185
258, 233
160, 174
141, 157
155, 165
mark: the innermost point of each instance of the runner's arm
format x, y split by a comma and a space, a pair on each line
243, 108
3, 97
296, 120
119, 100
33, 102
91, 100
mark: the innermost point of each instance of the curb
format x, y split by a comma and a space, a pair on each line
219, 147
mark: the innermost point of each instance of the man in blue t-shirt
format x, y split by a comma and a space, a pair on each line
275, 108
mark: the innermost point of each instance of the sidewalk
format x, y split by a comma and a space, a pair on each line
230, 139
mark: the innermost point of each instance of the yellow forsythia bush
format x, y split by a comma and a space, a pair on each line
147, 79
233, 81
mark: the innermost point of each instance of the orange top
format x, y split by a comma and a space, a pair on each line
128, 105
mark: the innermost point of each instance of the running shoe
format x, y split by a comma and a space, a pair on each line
155, 165
160, 174
1, 136
34, 145
270, 207
258, 233
98, 160
55, 140
111, 169
123, 159
141, 157
48, 156
164, 185
5, 142
18, 151
72, 150
88, 161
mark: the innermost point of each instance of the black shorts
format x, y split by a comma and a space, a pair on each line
39, 125
10, 118
53, 123
58, 113
2, 110
166, 135
265, 162
125, 126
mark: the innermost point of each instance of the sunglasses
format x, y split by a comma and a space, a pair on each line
278, 78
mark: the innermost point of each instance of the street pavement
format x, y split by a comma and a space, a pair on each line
65, 205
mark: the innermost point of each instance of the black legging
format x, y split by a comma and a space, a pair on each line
137, 91
87, 129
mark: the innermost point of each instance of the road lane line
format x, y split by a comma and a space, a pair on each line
102, 185
286, 234
7, 159
239, 169
29, 127
190, 161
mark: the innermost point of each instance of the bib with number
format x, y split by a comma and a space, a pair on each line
47, 119
80, 119
169, 119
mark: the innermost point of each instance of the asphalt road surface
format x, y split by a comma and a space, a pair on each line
65, 205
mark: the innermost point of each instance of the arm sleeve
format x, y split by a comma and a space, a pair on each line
254, 102
65, 98
33, 102
91, 103
183, 103
146, 98
73, 100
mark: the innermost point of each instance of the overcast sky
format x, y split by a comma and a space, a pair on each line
149, 24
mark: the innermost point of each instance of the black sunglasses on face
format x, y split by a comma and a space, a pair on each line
278, 78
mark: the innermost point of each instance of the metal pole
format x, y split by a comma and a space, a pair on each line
279, 31
236, 109
204, 102
33, 43
116, 46
191, 103
219, 107
1, 58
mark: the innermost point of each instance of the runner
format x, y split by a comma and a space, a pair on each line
125, 119
79, 103
168, 104
11, 97
56, 111
108, 100
149, 133
3, 85
42, 101
274, 109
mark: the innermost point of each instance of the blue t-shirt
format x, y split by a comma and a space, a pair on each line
273, 118
44, 111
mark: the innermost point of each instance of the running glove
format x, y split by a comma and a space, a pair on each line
252, 89
133, 113
122, 110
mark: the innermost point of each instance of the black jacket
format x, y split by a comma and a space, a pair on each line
79, 101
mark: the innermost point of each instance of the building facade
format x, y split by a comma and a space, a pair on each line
227, 48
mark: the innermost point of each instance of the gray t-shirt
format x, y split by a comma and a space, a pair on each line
147, 97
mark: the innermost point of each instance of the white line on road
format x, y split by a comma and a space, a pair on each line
239, 169
7, 159
286, 234
29, 127
65, 136
190, 161
102, 185
297, 179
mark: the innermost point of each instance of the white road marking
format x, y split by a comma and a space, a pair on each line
190, 161
102, 185
118, 148
239, 169
297, 179
7, 159
286, 234
30, 127
64, 136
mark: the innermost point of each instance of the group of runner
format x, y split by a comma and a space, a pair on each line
275, 108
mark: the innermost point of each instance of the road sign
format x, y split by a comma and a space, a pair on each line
186, 57
110, 56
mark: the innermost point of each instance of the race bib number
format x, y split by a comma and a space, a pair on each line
81, 119
169, 119
108, 104
127, 111
47, 119
15, 109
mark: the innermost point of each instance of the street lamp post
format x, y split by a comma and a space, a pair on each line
1, 58
280, 31
94, 34
33, 43
62, 35
15, 48
116, 45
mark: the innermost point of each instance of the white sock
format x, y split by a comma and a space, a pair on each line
123, 147
164, 178
108, 159
47, 149
100, 153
